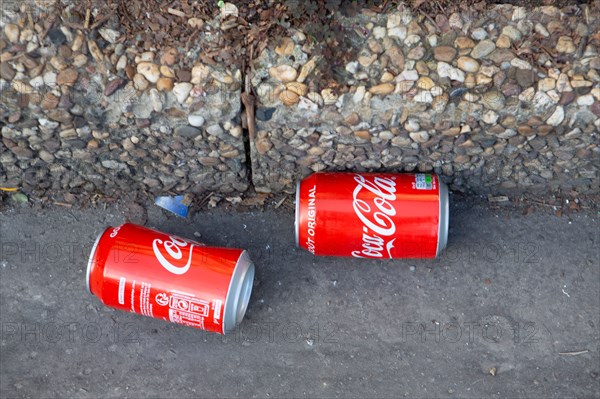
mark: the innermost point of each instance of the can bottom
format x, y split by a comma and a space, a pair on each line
91, 262
297, 219
238, 295
444, 218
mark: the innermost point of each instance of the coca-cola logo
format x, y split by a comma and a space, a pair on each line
376, 215
170, 254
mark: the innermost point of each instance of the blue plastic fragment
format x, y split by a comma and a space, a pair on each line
173, 205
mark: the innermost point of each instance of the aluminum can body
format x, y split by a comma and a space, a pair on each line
144, 271
372, 215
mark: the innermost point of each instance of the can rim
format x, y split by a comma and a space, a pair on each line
238, 293
443, 217
297, 220
91, 261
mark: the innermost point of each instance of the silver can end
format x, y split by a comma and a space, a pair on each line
91, 262
238, 295
297, 220
444, 218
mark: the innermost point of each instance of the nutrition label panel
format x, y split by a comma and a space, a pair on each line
424, 182
145, 305
185, 309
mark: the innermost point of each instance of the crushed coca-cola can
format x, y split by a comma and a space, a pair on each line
372, 215
154, 274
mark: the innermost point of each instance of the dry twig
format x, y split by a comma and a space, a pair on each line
574, 353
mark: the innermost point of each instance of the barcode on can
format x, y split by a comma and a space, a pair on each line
122, 291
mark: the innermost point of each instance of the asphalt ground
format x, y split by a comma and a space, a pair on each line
510, 309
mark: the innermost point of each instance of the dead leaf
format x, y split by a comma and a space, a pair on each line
257, 200
528, 211
558, 213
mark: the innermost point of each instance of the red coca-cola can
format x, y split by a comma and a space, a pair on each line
155, 274
372, 215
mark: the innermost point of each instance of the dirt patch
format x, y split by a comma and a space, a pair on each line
156, 24
450, 6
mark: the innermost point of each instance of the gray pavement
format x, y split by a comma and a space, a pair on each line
515, 296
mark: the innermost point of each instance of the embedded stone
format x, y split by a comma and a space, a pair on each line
482, 49
468, 64
444, 53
